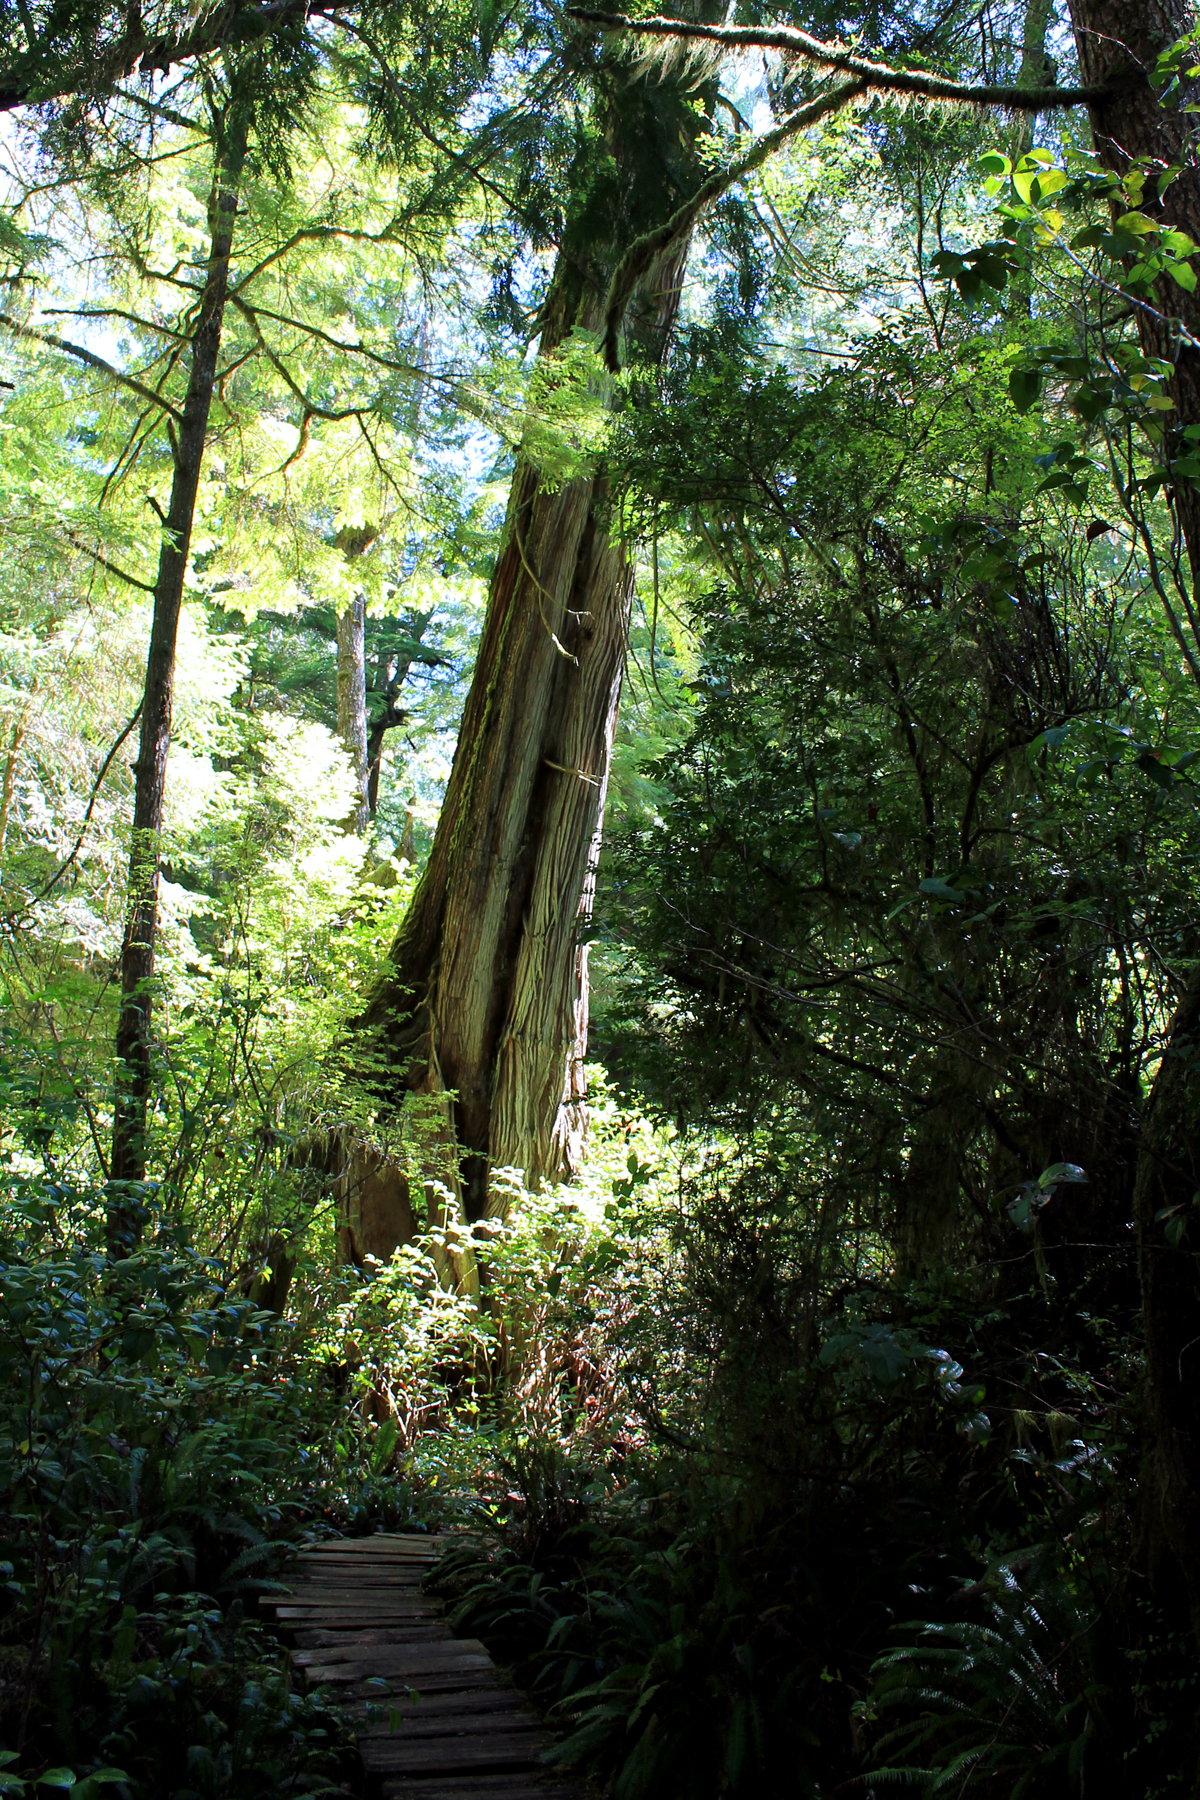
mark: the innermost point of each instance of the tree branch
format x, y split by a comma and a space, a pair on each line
90, 358
104, 66
879, 77
644, 251
311, 408
96, 786
147, 587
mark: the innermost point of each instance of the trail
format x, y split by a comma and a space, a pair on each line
433, 1716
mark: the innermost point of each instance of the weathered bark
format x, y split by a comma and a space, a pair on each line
486, 1003
133, 1080
488, 998
352, 706
375, 1212
1119, 42
1168, 1180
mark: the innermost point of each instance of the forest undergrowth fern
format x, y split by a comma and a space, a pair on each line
1004, 1703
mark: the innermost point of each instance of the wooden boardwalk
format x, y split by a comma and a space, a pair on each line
434, 1718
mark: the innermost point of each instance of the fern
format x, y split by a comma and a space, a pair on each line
1005, 1704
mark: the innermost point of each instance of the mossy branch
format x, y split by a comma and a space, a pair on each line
916, 84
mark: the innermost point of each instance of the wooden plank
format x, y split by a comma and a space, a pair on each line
439, 1648
317, 1572
448, 1681
426, 1706
438, 1651
379, 1545
523, 1786
312, 1638
413, 1669
463, 1723
512, 1750
346, 1559
348, 1598
412, 1605
375, 1549
393, 1659
362, 1625
324, 1613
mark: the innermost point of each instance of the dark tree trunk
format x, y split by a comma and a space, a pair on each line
486, 1005
394, 713
1119, 42
352, 706
133, 1079
488, 998
1168, 1180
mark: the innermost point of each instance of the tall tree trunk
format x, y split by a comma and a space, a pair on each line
487, 997
1168, 1179
137, 953
394, 712
352, 706
1119, 42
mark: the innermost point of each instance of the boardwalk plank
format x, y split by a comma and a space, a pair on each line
435, 1630
482, 1700
395, 1756
438, 1650
465, 1723
441, 1722
475, 1787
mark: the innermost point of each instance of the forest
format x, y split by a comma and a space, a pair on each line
599, 931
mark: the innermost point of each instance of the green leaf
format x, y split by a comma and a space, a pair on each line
1091, 401
941, 890
1025, 385
1061, 1172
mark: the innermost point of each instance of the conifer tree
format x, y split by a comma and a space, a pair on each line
485, 1005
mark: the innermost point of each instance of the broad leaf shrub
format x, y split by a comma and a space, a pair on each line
153, 1463
710, 1596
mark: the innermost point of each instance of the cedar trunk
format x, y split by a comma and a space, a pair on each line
1119, 42
487, 999
485, 1006
133, 1082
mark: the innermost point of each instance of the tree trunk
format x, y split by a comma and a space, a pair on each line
486, 1004
352, 706
394, 713
133, 1079
488, 998
1168, 1180
1119, 42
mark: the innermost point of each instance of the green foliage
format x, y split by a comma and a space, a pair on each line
900, 905
1006, 1703
152, 1467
